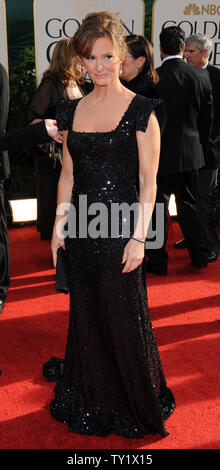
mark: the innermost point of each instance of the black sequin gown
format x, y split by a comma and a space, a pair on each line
113, 381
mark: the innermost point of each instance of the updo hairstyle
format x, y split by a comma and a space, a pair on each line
97, 25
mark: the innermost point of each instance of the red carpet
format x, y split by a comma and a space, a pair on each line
185, 314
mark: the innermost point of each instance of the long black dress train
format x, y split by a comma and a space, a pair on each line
113, 380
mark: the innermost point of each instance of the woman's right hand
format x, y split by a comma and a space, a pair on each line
52, 130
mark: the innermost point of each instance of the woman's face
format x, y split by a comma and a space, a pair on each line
131, 67
103, 63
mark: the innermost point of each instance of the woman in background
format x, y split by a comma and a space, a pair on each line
138, 72
61, 81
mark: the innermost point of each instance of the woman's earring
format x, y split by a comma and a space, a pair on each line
120, 70
79, 67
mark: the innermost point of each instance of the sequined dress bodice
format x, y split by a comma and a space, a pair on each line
113, 380
105, 163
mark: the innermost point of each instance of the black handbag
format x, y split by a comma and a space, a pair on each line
62, 278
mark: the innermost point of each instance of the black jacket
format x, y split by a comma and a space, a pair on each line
213, 157
4, 105
24, 137
187, 94
141, 85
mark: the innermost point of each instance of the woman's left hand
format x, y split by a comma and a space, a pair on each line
133, 255
56, 242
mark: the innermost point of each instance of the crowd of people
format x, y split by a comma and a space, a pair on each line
190, 149
133, 134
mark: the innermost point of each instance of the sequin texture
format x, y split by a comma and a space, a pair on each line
113, 381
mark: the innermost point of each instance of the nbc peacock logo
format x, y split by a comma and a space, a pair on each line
191, 9
194, 9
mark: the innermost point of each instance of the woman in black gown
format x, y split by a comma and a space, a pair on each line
113, 380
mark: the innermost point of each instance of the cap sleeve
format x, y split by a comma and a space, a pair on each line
64, 114
145, 106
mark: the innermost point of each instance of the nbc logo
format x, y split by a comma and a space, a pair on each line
193, 9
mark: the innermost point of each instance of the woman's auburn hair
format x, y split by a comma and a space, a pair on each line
97, 25
62, 65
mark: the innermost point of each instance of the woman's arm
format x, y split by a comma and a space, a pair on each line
64, 192
149, 152
31, 135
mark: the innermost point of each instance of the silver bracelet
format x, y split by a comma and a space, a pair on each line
137, 240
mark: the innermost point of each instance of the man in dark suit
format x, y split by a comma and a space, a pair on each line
187, 95
4, 174
198, 50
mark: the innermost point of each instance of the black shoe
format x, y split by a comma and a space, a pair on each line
53, 369
212, 256
2, 303
159, 269
180, 244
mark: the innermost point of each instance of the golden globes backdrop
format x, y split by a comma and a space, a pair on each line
54, 20
197, 17
3, 36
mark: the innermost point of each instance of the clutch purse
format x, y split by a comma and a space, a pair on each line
52, 149
62, 279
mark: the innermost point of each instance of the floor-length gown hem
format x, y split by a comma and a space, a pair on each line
67, 407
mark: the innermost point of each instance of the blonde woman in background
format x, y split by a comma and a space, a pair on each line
61, 81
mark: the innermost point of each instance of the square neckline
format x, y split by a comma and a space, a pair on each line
101, 132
